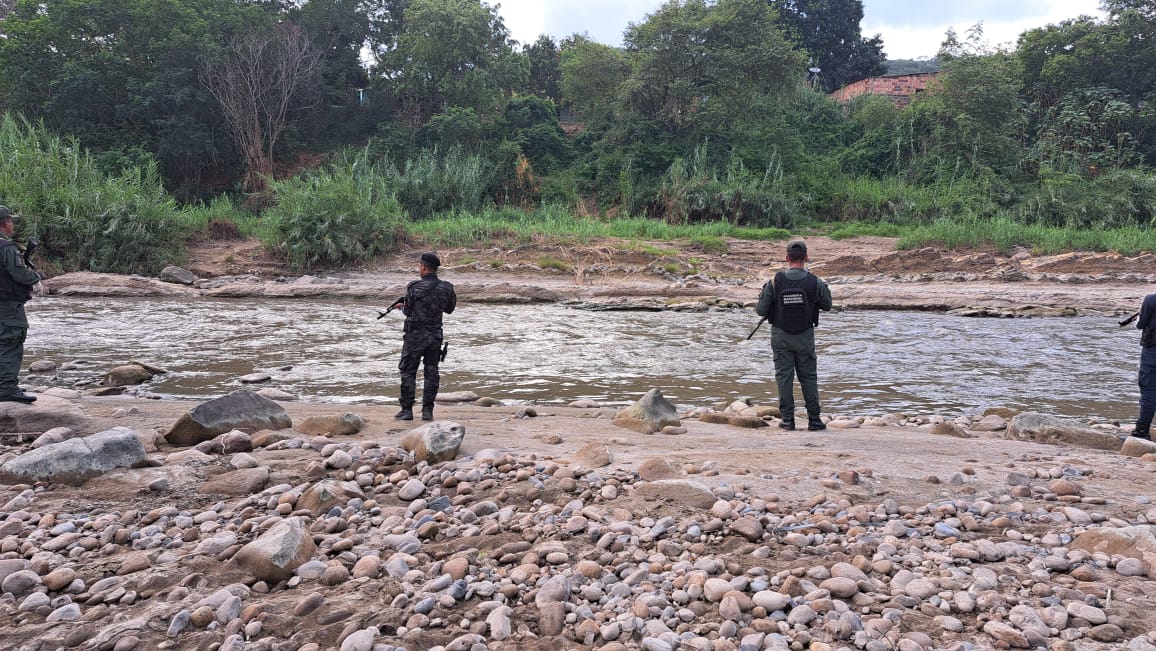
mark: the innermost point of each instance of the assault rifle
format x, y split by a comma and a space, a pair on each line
392, 306
1129, 319
445, 349
761, 322
29, 249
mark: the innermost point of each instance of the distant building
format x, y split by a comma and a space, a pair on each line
899, 88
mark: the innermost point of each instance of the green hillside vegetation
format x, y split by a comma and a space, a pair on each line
335, 131
912, 66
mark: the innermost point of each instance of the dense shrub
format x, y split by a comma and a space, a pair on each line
340, 215
432, 182
123, 223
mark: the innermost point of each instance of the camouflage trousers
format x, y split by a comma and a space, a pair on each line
420, 347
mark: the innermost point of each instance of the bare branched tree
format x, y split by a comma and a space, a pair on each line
256, 85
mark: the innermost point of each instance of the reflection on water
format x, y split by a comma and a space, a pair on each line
869, 362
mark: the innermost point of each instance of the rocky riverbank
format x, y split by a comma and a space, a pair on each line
567, 528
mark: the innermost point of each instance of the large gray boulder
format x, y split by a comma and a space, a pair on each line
77, 460
1042, 428
279, 551
438, 441
179, 275
649, 415
48, 412
243, 410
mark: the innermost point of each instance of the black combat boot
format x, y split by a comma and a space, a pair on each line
787, 424
1142, 432
406, 413
426, 413
815, 424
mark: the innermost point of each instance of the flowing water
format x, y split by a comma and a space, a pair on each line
869, 362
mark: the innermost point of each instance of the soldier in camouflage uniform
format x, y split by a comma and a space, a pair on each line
791, 302
16, 283
424, 303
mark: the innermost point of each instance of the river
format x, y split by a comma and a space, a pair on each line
869, 362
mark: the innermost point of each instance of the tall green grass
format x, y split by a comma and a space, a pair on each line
557, 225
433, 182
694, 191
1005, 233
85, 219
336, 216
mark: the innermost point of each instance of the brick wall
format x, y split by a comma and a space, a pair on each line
900, 88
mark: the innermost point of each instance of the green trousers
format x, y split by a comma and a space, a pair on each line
795, 355
11, 357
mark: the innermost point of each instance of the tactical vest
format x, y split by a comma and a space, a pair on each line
796, 303
425, 301
10, 290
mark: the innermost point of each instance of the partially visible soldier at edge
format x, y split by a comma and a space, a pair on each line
1147, 377
425, 301
791, 302
16, 283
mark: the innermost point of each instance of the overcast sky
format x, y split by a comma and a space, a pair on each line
910, 28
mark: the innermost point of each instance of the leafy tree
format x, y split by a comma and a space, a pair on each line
545, 68
339, 30
829, 32
693, 54
386, 23
537, 132
910, 66
1068, 64
451, 53
592, 73
1087, 132
121, 75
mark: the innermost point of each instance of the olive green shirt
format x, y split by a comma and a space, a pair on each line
11, 263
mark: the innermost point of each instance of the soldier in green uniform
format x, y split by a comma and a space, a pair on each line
791, 302
426, 299
16, 283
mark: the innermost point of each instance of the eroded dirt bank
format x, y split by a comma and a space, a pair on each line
865, 273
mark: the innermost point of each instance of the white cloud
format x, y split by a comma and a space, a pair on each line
526, 19
919, 33
910, 28
602, 20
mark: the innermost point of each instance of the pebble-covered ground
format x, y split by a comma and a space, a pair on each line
555, 529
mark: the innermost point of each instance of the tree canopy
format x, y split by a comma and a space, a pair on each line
706, 111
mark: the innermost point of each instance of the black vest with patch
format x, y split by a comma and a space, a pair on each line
796, 303
10, 290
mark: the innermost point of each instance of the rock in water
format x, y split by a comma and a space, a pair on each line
239, 410
129, 374
649, 415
